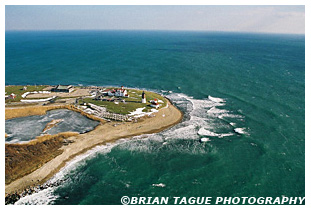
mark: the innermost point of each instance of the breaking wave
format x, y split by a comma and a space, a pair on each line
217, 100
204, 118
47, 196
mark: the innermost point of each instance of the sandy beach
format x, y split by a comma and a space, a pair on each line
105, 133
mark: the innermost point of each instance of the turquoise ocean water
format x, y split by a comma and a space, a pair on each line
245, 92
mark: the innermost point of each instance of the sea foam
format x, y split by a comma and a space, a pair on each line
217, 100
47, 196
204, 118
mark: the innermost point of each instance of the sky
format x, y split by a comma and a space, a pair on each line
261, 19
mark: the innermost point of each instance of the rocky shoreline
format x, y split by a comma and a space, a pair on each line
14, 197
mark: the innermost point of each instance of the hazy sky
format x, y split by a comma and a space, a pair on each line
267, 19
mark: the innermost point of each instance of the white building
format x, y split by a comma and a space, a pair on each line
11, 96
121, 93
118, 93
154, 103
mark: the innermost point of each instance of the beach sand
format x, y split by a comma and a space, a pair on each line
102, 134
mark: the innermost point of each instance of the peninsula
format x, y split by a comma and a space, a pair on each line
122, 113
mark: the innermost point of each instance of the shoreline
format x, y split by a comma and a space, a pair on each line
101, 135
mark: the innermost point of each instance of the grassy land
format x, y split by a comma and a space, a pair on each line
29, 110
18, 91
131, 103
22, 159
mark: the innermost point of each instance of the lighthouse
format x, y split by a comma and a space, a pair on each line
143, 97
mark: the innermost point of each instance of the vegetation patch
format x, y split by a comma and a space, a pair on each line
22, 159
29, 110
41, 110
130, 104
18, 90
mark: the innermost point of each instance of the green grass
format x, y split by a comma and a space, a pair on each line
18, 91
131, 103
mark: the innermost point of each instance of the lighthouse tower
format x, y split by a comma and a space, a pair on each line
143, 97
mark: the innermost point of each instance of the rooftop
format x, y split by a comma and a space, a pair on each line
63, 87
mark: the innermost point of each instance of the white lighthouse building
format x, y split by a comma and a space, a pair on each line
143, 98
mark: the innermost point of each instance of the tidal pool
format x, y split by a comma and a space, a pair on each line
23, 129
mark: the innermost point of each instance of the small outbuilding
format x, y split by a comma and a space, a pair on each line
11, 96
154, 103
63, 88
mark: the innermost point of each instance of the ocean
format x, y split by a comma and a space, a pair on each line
244, 93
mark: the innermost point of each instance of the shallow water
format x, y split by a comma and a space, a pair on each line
23, 129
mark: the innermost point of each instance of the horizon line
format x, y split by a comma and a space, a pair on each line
163, 30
